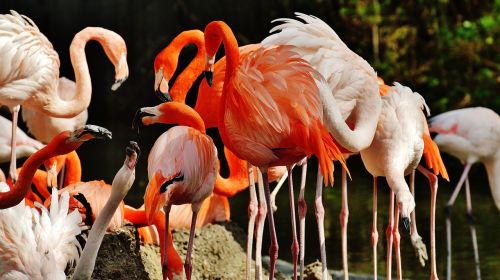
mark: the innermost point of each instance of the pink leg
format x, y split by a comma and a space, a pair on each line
164, 266
261, 218
302, 218
448, 217
389, 236
397, 242
295, 243
472, 228
374, 229
273, 249
416, 240
187, 264
433, 182
320, 218
13, 157
252, 213
344, 217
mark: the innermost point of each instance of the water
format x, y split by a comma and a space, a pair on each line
360, 213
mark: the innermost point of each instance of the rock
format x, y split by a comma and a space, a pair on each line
313, 271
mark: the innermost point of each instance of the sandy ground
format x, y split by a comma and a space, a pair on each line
218, 253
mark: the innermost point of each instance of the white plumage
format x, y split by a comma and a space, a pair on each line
25, 145
351, 80
38, 245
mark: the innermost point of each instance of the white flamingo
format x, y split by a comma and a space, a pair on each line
30, 70
25, 145
355, 103
471, 135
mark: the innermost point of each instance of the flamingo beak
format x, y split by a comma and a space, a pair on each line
161, 87
88, 132
209, 69
133, 152
121, 72
153, 199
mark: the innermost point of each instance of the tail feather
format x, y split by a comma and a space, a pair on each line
433, 157
328, 152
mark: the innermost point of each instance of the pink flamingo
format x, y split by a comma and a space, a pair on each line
471, 135
277, 94
23, 45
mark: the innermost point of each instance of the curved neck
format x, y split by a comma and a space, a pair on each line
218, 32
73, 169
493, 170
177, 113
238, 176
121, 184
189, 75
58, 107
58, 145
364, 117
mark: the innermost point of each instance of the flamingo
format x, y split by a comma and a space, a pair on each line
171, 180
122, 182
43, 127
259, 122
23, 46
471, 135
25, 145
19, 256
209, 98
62, 143
399, 143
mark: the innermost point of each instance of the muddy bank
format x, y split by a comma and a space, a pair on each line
218, 253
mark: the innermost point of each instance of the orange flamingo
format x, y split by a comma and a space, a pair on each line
208, 99
270, 111
62, 143
171, 180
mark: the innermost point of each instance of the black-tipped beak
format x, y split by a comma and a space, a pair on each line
90, 132
164, 97
133, 152
118, 83
137, 122
209, 75
406, 224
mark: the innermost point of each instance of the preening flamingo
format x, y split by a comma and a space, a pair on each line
351, 115
208, 99
396, 150
471, 135
44, 126
270, 111
62, 143
122, 182
182, 168
23, 45
25, 145
38, 245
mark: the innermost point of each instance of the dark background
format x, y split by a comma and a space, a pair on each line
447, 51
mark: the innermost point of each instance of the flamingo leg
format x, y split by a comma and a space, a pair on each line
472, 228
277, 189
344, 217
252, 213
397, 242
302, 217
320, 218
164, 264
389, 236
416, 239
12, 167
295, 243
188, 267
374, 229
261, 218
273, 249
433, 182
448, 218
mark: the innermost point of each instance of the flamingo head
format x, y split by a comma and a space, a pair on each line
116, 50
159, 192
132, 154
68, 141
